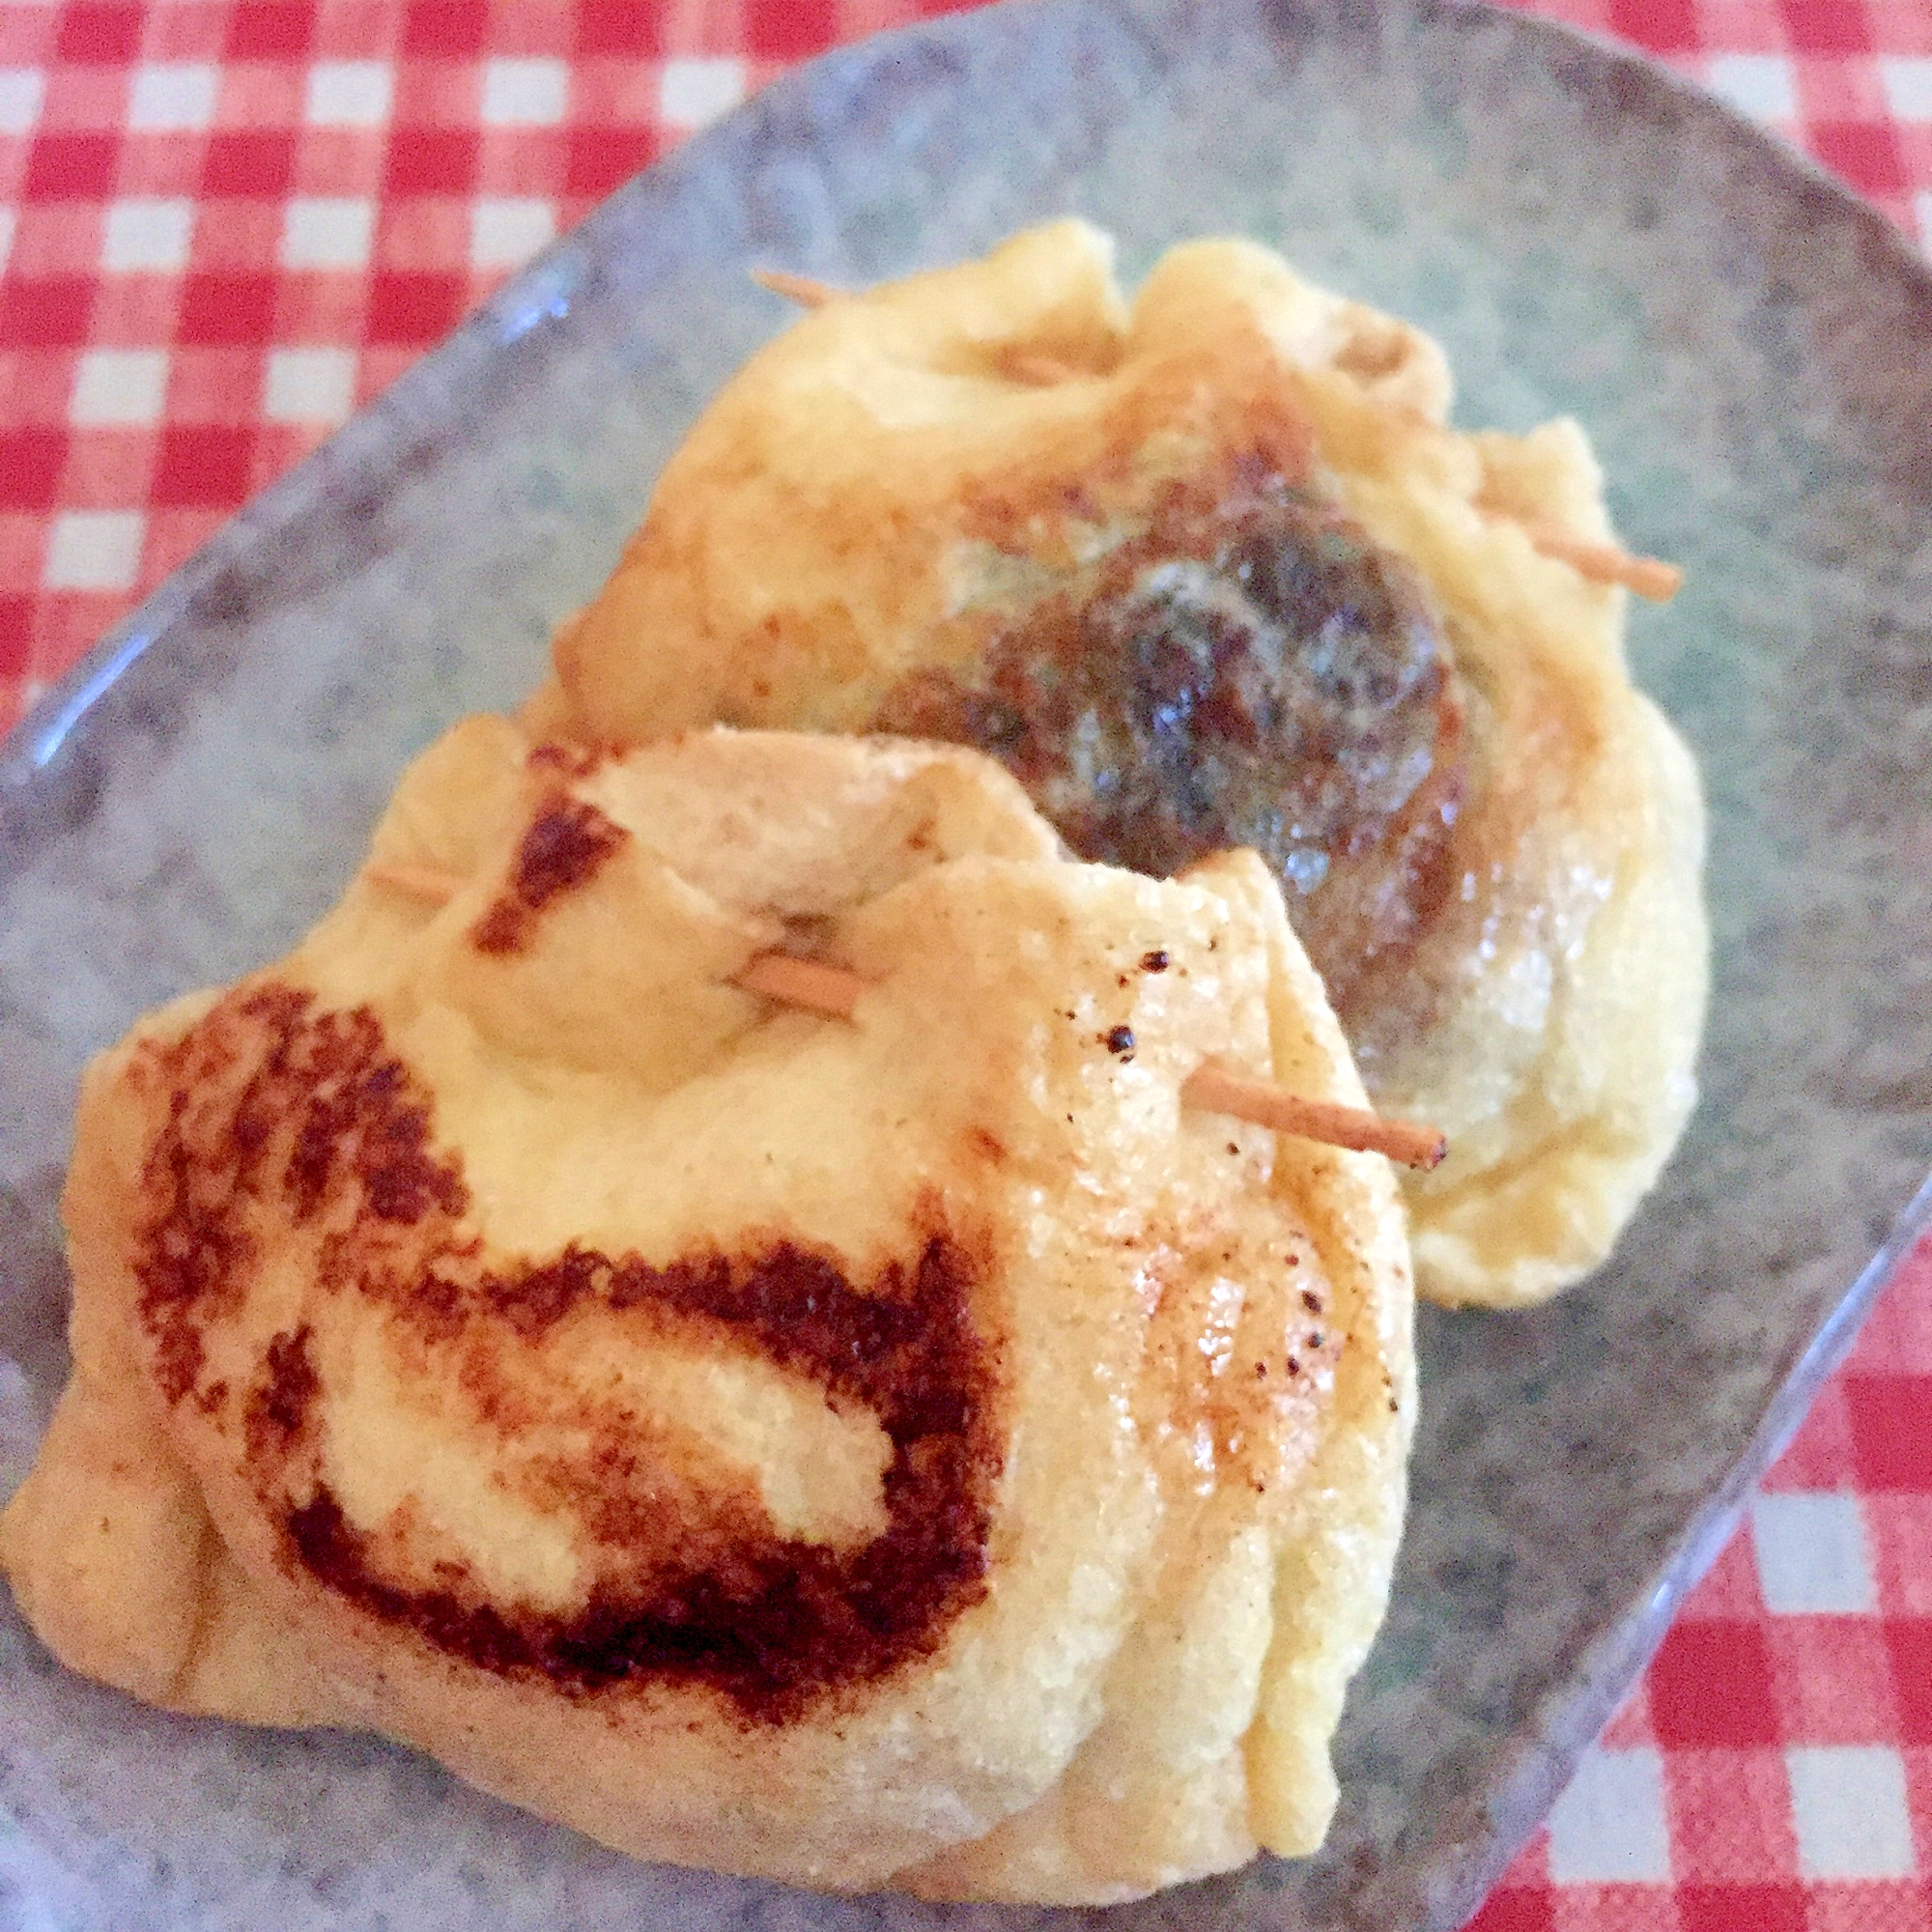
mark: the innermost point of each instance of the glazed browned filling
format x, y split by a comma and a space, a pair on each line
1251, 669
288, 1123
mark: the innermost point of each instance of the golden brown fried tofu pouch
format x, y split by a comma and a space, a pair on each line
908, 1451
1212, 570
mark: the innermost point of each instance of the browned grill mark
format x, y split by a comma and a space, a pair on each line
278, 1112
279, 1407
565, 844
772, 1622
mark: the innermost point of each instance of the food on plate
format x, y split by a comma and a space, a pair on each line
909, 1450
1210, 569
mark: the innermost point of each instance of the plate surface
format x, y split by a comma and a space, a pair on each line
1751, 351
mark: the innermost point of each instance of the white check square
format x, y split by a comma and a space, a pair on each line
1848, 1807
94, 550
1609, 1827
505, 234
22, 89
117, 386
180, 95
348, 93
1760, 85
1812, 1554
309, 385
693, 91
1907, 81
523, 92
147, 234
328, 232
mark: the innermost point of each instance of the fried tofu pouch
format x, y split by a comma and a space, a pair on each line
907, 1452
1210, 569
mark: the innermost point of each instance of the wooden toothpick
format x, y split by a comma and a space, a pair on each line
1605, 563
1217, 1091
835, 992
804, 290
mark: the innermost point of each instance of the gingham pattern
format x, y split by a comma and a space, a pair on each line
1773, 1772
224, 224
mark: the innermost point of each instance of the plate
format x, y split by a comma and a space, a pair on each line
1751, 351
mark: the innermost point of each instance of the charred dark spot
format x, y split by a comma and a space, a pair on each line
279, 1407
535, 1299
339, 1132
1155, 962
566, 844
1119, 1040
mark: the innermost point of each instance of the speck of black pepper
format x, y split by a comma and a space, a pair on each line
1232, 1149
1155, 962
1315, 1340
1261, 1370
1311, 1301
1120, 978
1119, 1041
1293, 1367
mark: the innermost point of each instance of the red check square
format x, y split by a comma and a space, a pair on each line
202, 464
446, 27
31, 461
1892, 1429
256, 161
97, 36
220, 309
51, 312
1732, 1908
264, 30
1710, 1683
71, 167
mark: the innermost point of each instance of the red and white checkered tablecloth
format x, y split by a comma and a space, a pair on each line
226, 223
